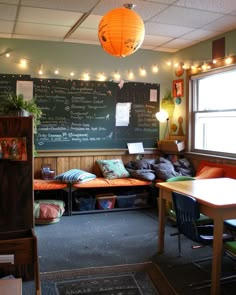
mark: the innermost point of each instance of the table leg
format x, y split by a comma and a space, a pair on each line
217, 256
162, 213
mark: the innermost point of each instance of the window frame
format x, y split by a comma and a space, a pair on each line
193, 110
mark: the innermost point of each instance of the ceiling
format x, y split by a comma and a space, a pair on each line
170, 25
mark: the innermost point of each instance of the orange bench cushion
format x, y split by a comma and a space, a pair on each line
228, 170
44, 185
100, 182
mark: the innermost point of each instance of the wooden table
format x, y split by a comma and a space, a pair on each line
217, 199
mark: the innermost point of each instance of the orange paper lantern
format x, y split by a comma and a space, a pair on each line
121, 32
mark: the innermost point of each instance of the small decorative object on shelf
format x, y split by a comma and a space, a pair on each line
47, 172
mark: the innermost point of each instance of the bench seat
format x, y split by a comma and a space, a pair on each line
101, 182
50, 184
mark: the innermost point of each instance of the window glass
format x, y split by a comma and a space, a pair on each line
214, 112
218, 92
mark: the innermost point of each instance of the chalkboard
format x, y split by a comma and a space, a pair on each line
93, 115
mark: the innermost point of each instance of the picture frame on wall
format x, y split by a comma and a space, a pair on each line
13, 148
178, 88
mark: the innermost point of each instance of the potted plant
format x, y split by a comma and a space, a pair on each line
17, 105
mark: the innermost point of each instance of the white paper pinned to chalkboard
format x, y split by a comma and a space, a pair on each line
135, 148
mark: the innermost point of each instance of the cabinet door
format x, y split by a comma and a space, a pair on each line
16, 178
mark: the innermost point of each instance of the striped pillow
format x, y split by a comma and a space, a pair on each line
75, 176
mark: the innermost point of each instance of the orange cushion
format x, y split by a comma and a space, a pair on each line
44, 185
104, 182
229, 170
210, 172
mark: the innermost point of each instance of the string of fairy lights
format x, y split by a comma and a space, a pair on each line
44, 69
192, 66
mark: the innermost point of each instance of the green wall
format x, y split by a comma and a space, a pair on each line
200, 52
81, 58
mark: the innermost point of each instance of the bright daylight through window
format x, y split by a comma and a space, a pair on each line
214, 112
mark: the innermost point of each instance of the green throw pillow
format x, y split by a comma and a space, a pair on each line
180, 178
112, 169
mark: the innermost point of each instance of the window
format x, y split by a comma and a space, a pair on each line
214, 112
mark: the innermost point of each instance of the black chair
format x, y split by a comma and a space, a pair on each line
187, 213
230, 224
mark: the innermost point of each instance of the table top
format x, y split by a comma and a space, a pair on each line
216, 192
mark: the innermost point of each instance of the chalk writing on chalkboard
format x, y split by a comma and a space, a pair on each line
82, 114
75, 114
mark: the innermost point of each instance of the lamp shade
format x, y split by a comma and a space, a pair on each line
162, 116
121, 32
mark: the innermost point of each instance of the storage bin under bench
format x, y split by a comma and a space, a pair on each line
100, 183
97, 184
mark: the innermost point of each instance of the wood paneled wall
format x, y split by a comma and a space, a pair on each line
61, 162
86, 160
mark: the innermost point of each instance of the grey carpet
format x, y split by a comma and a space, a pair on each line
126, 237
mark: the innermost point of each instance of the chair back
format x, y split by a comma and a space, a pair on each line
187, 213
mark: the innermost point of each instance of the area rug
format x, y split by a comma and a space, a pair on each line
132, 279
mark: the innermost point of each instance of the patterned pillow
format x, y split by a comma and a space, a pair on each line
112, 169
75, 176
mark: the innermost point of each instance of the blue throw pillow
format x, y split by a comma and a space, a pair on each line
75, 176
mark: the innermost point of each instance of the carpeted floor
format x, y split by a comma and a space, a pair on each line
128, 237
131, 279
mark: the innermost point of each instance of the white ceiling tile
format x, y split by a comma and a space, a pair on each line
14, 2
200, 35
3, 35
35, 37
165, 49
185, 17
6, 26
81, 41
147, 47
145, 9
180, 43
48, 16
85, 34
10, 2
66, 5
7, 12
168, 2
220, 6
227, 23
170, 25
41, 30
155, 40
91, 22
165, 29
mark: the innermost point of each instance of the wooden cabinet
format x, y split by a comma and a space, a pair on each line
17, 235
